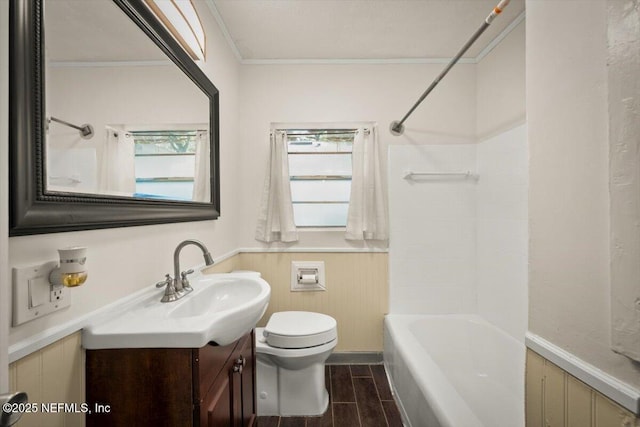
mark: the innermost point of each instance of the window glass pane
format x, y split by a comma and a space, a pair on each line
164, 142
165, 190
319, 164
320, 214
332, 142
165, 166
346, 146
305, 145
313, 155
320, 191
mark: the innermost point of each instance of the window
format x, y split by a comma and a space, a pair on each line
320, 169
165, 163
323, 178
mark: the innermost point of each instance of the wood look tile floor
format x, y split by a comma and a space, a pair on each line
359, 396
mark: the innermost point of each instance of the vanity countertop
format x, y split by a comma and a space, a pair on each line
221, 308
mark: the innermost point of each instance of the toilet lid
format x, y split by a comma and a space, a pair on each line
299, 329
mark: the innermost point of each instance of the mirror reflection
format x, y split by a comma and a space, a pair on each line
121, 118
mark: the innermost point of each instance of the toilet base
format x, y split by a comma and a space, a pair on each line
284, 392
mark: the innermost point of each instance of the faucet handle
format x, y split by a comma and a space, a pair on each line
165, 282
185, 282
170, 293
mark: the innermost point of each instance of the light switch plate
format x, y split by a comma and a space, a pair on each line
31, 284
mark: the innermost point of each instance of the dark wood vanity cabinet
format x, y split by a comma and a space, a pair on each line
233, 389
209, 386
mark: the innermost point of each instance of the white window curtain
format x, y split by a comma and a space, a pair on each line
367, 218
117, 169
275, 217
201, 180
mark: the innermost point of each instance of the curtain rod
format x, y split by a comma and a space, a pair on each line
86, 130
397, 127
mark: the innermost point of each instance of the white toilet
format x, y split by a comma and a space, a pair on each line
290, 352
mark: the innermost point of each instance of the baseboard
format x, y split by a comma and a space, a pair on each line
355, 358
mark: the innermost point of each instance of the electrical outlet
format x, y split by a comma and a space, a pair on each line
33, 295
57, 293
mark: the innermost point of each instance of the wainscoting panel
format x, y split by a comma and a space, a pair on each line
54, 374
356, 295
555, 398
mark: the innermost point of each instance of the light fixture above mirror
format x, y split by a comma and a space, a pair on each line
182, 20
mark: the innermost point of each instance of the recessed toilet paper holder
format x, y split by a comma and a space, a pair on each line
307, 276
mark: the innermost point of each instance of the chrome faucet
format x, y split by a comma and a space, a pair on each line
178, 286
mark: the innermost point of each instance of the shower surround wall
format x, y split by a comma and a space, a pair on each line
432, 227
460, 245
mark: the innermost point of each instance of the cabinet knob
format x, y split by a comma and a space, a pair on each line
237, 368
241, 361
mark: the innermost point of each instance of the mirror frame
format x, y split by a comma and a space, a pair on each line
34, 210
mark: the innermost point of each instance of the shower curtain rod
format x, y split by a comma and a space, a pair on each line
86, 130
397, 127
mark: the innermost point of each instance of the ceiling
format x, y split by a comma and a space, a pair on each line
291, 30
94, 31
383, 30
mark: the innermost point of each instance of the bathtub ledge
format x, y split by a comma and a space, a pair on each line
616, 390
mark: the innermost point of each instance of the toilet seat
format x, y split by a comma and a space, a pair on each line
299, 329
263, 348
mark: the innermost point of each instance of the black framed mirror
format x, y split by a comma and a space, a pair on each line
41, 201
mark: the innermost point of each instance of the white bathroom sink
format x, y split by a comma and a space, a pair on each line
221, 297
221, 308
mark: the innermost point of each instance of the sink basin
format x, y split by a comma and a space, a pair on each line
223, 296
221, 308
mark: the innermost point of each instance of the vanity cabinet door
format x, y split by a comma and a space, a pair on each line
248, 380
211, 363
217, 405
230, 400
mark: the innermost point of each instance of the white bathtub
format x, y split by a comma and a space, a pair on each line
454, 371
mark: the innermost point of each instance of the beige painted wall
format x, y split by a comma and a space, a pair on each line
356, 295
569, 281
624, 131
554, 398
500, 94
